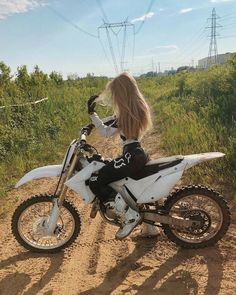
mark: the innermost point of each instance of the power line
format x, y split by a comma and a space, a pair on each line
133, 47
118, 45
117, 39
228, 15
147, 12
213, 51
123, 25
226, 37
196, 50
102, 10
191, 45
116, 33
123, 49
105, 19
112, 51
231, 18
70, 22
112, 26
103, 48
229, 25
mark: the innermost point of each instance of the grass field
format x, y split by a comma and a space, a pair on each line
192, 111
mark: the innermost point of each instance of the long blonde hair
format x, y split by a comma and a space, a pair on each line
132, 111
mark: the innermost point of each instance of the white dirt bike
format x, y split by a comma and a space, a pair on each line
192, 216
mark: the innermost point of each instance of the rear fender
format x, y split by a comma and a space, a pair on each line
192, 160
45, 171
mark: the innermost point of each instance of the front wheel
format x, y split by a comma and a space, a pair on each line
206, 207
30, 217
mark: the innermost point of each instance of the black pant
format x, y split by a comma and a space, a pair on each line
131, 162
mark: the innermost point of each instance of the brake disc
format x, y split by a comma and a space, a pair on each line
201, 221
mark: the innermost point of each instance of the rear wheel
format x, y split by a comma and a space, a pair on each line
30, 217
203, 205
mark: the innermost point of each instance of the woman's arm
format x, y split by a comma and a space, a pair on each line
107, 126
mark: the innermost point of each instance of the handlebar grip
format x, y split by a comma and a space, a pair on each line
83, 137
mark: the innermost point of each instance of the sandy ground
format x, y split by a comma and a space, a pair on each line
98, 264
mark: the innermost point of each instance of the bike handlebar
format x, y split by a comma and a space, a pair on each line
82, 142
83, 136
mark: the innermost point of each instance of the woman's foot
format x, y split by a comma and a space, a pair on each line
129, 218
132, 219
149, 230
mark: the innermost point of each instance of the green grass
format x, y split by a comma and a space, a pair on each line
193, 112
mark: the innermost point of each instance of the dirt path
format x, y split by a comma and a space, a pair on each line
98, 264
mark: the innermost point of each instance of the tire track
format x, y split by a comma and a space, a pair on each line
95, 250
111, 250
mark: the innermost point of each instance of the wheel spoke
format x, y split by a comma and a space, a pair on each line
200, 205
31, 227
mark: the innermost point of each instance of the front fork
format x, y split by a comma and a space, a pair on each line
55, 213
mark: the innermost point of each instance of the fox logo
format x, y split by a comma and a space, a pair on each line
121, 162
94, 178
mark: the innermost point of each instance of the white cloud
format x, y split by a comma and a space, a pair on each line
186, 10
143, 17
8, 8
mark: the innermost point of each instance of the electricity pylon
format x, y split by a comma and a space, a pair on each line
110, 26
213, 51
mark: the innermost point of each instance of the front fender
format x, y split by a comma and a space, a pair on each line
45, 171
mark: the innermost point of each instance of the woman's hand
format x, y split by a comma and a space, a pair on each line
87, 129
92, 104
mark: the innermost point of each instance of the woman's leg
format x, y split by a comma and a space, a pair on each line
115, 170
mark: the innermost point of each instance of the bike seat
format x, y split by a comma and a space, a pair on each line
155, 166
165, 160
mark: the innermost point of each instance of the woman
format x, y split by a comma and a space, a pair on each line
131, 120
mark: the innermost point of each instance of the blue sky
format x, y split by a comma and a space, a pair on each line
46, 33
